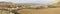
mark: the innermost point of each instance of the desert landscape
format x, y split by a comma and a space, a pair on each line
14, 8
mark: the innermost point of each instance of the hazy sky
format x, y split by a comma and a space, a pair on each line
30, 1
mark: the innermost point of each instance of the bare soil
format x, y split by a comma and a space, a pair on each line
34, 11
40, 11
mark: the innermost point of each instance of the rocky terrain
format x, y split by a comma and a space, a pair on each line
13, 8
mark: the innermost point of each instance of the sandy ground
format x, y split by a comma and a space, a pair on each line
34, 11
40, 11
54, 10
30, 11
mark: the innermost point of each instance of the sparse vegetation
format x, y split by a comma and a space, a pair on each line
9, 5
51, 6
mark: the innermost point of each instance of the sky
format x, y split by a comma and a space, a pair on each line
29, 1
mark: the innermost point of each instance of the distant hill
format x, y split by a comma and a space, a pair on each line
7, 4
24, 5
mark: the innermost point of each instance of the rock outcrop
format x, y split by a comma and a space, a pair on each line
13, 7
